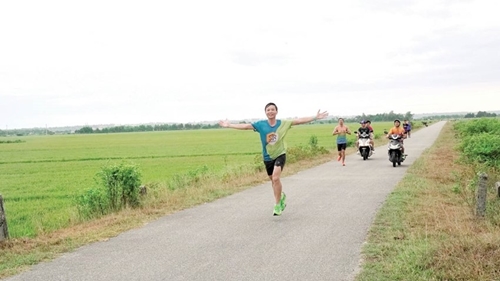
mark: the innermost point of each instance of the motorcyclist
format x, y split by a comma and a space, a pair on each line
364, 129
372, 134
398, 130
369, 125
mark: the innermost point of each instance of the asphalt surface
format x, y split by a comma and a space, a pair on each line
318, 237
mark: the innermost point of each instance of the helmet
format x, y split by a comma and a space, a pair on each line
362, 122
397, 120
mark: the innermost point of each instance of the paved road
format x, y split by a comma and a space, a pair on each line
318, 237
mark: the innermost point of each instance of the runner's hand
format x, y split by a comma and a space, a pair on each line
321, 115
224, 123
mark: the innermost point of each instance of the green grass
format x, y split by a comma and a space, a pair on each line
42, 174
392, 254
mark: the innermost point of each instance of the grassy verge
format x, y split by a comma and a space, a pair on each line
427, 230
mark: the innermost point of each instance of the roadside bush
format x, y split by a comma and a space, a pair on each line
482, 148
118, 188
302, 152
122, 184
92, 203
296, 153
478, 126
480, 141
313, 142
190, 178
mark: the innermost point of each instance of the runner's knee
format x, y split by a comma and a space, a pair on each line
275, 178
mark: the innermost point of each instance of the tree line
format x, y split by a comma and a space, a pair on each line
145, 128
380, 117
188, 126
480, 114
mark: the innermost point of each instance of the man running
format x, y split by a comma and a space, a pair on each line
341, 130
272, 135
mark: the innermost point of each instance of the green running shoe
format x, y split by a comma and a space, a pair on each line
277, 210
283, 201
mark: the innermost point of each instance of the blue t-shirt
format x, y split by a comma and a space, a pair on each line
272, 137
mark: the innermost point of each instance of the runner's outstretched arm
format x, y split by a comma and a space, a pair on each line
226, 124
303, 120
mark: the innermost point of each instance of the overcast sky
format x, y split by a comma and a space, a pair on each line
129, 62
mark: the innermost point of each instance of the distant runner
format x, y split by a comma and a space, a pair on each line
407, 127
341, 130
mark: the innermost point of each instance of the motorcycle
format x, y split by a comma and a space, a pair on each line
365, 149
394, 150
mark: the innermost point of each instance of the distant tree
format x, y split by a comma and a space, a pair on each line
408, 116
481, 114
85, 130
485, 114
380, 117
143, 128
469, 115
